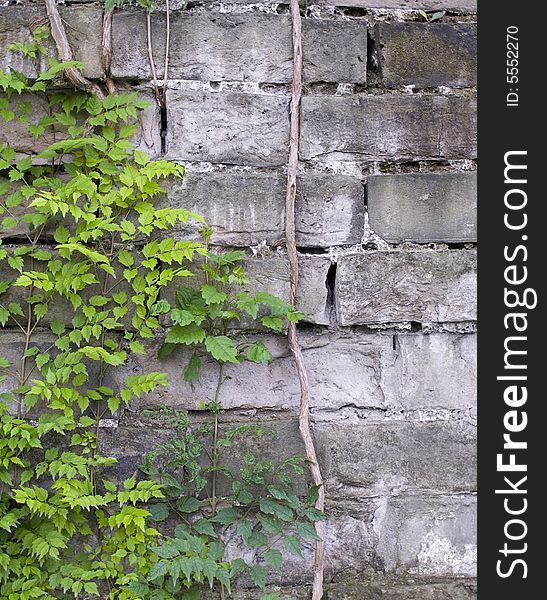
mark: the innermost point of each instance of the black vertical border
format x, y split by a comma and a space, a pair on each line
501, 129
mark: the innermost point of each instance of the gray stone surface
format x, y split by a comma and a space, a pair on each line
234, 128
374, 586
467, 6
424, 207
431, 371
394, 286
239, 47
330, 211
83, 35
428, 536
246, 208
312, 292
350, 373
392, 457
428, 54
389, 126
130, 442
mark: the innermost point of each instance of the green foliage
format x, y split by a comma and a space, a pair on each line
206, 316
259, 506
258, 510
84, 293
96, 247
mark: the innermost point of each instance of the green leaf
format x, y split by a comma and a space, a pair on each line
307, 530
313, 494
166, 551
259, 576
126, 258
91, 588
15, 309
181, 316
222, 348
191, 372
188, 504
61, 235
247, 304
141, 158
292, 544
274, 323
158, 570
166, 350
205, 527
274, 558
113, 404
226, 516
16, 262
211, 295
136, 347
57, 327
159, 511
270, 507
187, 334
258, 353
187, 296
4, 316
314, 514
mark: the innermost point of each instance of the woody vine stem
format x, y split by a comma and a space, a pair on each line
290, 235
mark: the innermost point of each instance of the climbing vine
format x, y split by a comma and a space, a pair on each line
81, 290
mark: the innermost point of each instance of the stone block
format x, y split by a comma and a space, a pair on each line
245, 209
463, 6
329, 210
428, 535
423, 207
392, 457
239, 47
233, 128
349, 372
388, 126
428, 54
434, 371
396, 286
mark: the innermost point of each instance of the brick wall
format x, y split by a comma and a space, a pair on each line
386, 232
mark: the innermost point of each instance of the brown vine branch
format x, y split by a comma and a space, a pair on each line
107, 50
159, 92
151, 56
290, 235
167, 45
64, 51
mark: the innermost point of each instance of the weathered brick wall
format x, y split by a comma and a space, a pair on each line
386, 233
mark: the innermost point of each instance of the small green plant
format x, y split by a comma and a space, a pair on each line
432, 17
258, 509
257, 504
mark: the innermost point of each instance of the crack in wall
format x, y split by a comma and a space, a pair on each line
330, 283
163, 127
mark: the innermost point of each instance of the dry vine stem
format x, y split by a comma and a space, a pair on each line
290, 234
107, 50
65, 52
